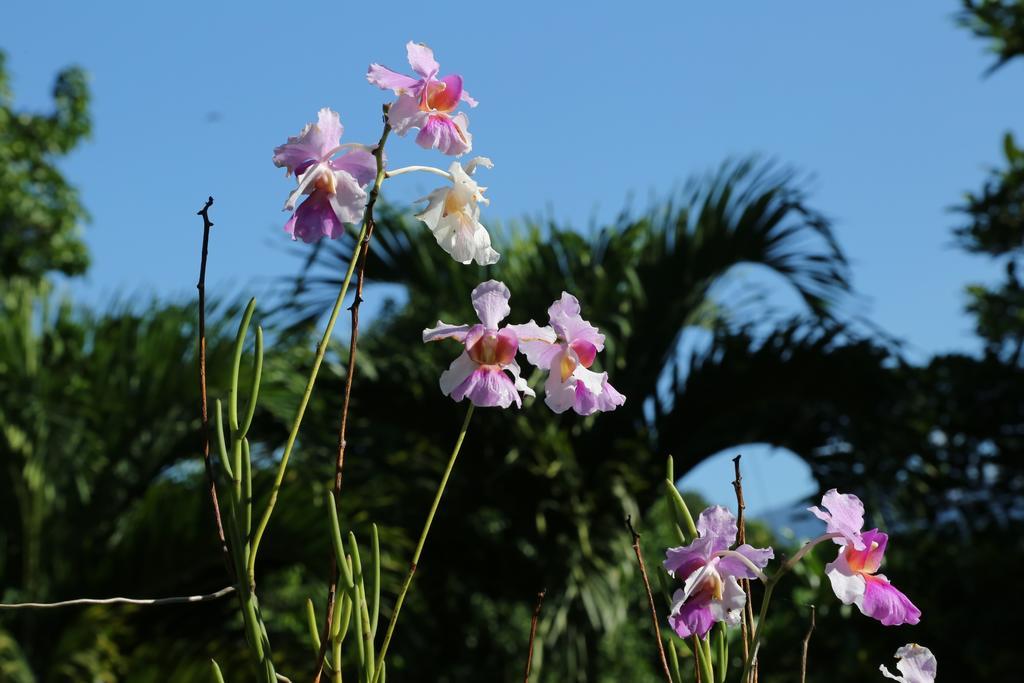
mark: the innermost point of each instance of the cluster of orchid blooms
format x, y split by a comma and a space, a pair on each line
333, 177
711, 568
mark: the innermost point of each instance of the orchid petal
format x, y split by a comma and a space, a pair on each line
445, 331
478, 161
520, 382
733, 599
916, 663
386, 79
683, 561
735, 567
448, 135
490, 301
457, 373
884, 602
315, 218
690, 618
405, 114
717, 523
537, 343
570, 326
488, 387
313, 144
360, 164
421, 59
848, 585
845, 517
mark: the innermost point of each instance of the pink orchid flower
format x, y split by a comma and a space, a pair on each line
710, 570
334, 185
427, 102
482, 372
853, 573
567, 348
855, 582
916, 663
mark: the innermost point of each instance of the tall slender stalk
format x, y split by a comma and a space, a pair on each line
321, 349
650, 599
339, 463
203, 405
533, 634
419, 545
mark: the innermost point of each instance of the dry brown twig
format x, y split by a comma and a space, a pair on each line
807, 642
533, 633
747, 623
203, 406
650, 597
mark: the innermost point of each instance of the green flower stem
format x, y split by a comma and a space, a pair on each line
314, 633
722, 651
379, 668
360, 609
769, 586
683, 517
756, 640
243, 327
255, 634
321, 351
218, 677
673, 662
222, 449
704, 666
246, 492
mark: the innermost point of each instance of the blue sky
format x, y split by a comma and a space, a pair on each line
581, 107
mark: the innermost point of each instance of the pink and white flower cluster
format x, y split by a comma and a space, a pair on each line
710, 569
333, 176
487, 372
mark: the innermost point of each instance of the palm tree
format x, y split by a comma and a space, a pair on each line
99, 490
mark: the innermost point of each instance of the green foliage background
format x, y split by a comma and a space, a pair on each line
100, 477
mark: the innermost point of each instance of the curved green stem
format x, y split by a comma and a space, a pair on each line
769, 586
321, 351
756, 640
379, 667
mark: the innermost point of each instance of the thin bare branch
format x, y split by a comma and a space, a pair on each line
203, 408
807, 642
650, 597
533, 634
207, 597
747, 622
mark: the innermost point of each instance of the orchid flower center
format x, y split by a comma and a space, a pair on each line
326, 182
568, 366
439, 97
858, 559
711, 587
494, 347
453, 204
